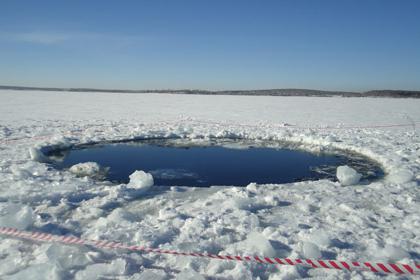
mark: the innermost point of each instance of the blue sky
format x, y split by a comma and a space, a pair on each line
333, 45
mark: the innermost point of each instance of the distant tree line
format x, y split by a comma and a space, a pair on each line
260, 92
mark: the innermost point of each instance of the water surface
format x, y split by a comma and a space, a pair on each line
207, 163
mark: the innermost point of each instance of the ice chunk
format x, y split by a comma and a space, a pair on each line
19, 172
252, 187
256, 243
37, 272
90, 169
103, 270
239, 271
287, 272
119, 215
152, 274
16, 215
347, 175
392, 253
310, 250
66, 257
59, 141
321, 238
141, 180
167, 213
189, 274
37, 155
401, 176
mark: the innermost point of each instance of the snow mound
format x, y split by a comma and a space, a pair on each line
89, 169
321, 238
401, 176
252, 187
189, 274
393, 253
37, 272
347, 175
103, 270
16, 216
151, 274
311, 250
66, 257
141, 180
255, 243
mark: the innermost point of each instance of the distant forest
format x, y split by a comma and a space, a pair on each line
262, 92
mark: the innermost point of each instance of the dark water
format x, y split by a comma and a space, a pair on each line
181, 163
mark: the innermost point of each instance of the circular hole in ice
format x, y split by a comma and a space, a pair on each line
203, 163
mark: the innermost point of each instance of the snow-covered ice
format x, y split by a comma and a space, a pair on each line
376, 221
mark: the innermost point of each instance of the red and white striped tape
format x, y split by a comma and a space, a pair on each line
396, 268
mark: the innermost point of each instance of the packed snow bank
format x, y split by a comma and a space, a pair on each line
347, 175
141, 181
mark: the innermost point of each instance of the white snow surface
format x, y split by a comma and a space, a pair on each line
376, 221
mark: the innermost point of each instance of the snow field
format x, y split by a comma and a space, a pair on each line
379, 221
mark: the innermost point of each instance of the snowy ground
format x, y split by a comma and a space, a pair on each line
322, 219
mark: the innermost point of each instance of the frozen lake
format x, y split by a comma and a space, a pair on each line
373, 220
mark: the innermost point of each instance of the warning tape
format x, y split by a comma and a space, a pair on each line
387, 268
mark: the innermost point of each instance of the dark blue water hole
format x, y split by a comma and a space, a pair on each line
203, 163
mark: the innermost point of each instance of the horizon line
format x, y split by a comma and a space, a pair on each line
162, 90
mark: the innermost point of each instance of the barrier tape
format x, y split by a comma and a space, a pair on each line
386, 268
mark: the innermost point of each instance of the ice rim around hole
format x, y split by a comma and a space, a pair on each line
369, 168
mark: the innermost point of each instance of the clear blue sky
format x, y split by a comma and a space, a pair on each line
335, 45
